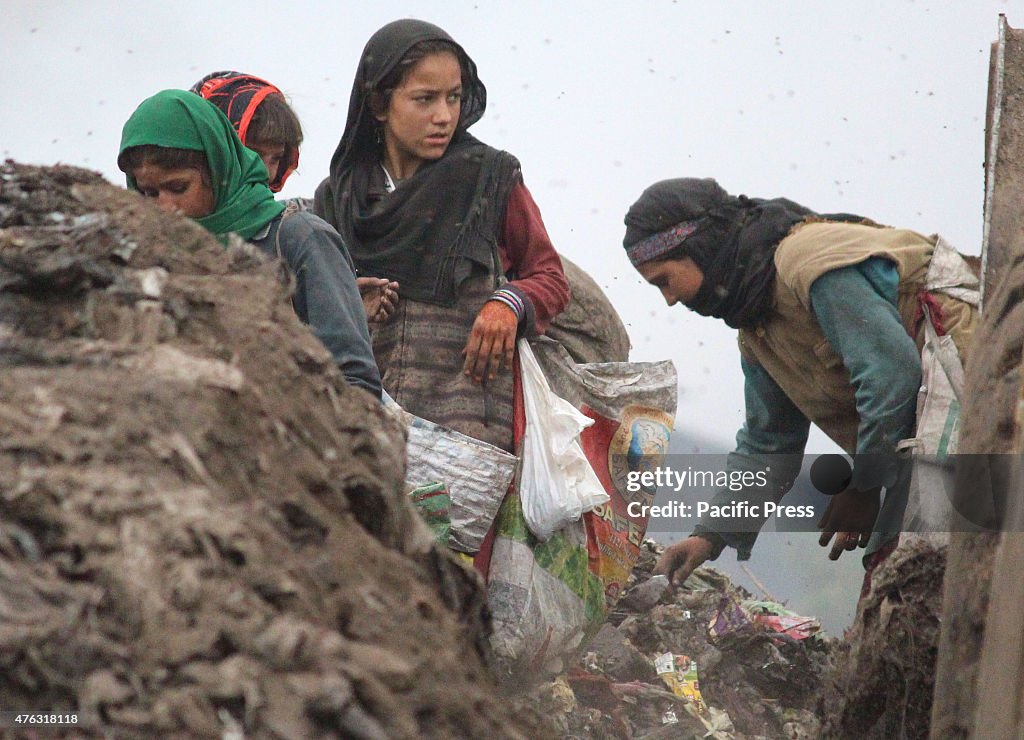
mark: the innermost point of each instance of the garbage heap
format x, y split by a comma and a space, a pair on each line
707, 660
885, 675
203, 529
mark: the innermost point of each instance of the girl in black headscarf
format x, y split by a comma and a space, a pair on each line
422, 202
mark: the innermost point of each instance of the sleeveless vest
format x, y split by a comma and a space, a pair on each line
791, 347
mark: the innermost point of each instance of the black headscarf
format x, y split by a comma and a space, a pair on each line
422, 234
733, 243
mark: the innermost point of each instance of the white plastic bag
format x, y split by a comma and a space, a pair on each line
557, 483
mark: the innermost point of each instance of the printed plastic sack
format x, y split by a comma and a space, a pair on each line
475, 475
556, 484
547, 599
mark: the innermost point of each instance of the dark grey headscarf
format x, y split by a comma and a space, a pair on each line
382, 52
732, 239
424, 234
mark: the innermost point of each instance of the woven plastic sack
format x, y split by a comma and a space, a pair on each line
475, 475
930, 499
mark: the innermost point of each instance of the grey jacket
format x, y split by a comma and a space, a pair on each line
326, 297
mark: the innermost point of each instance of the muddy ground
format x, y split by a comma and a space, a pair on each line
203, 529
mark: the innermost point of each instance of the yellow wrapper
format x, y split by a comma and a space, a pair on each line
680, 674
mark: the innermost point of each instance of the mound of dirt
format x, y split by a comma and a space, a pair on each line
203, 529
883, 684
987, 480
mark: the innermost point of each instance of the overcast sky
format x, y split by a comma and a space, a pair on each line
874, 107
869, 107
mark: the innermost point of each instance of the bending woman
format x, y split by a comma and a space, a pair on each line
421, 202
830, 310
180, 150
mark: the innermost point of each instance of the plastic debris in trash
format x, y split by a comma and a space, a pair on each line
476, 474
644, 596
719, 724
730, 620
679, 673
777, 618
734, 619
669, 718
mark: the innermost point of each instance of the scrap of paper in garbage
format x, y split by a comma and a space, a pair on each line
679, 673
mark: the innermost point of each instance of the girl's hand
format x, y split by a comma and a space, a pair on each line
492, 341
380, 298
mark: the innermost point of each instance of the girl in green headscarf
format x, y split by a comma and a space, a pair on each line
233, 175
183, 152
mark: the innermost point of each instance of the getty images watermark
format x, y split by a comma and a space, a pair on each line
741, 492
689, 478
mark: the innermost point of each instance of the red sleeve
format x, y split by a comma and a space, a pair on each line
531, 262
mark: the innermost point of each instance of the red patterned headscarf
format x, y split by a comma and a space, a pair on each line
238, 95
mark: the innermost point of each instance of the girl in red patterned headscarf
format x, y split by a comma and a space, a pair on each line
262, 117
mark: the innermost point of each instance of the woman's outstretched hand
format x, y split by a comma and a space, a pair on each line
681, 559
850, 518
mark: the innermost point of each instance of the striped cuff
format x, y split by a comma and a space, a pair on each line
511, 299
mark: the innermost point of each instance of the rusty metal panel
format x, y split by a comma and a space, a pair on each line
1003, 235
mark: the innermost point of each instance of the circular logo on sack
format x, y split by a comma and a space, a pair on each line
640, 443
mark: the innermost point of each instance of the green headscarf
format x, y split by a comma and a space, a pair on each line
179, 119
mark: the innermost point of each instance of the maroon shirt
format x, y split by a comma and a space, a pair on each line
529, 257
